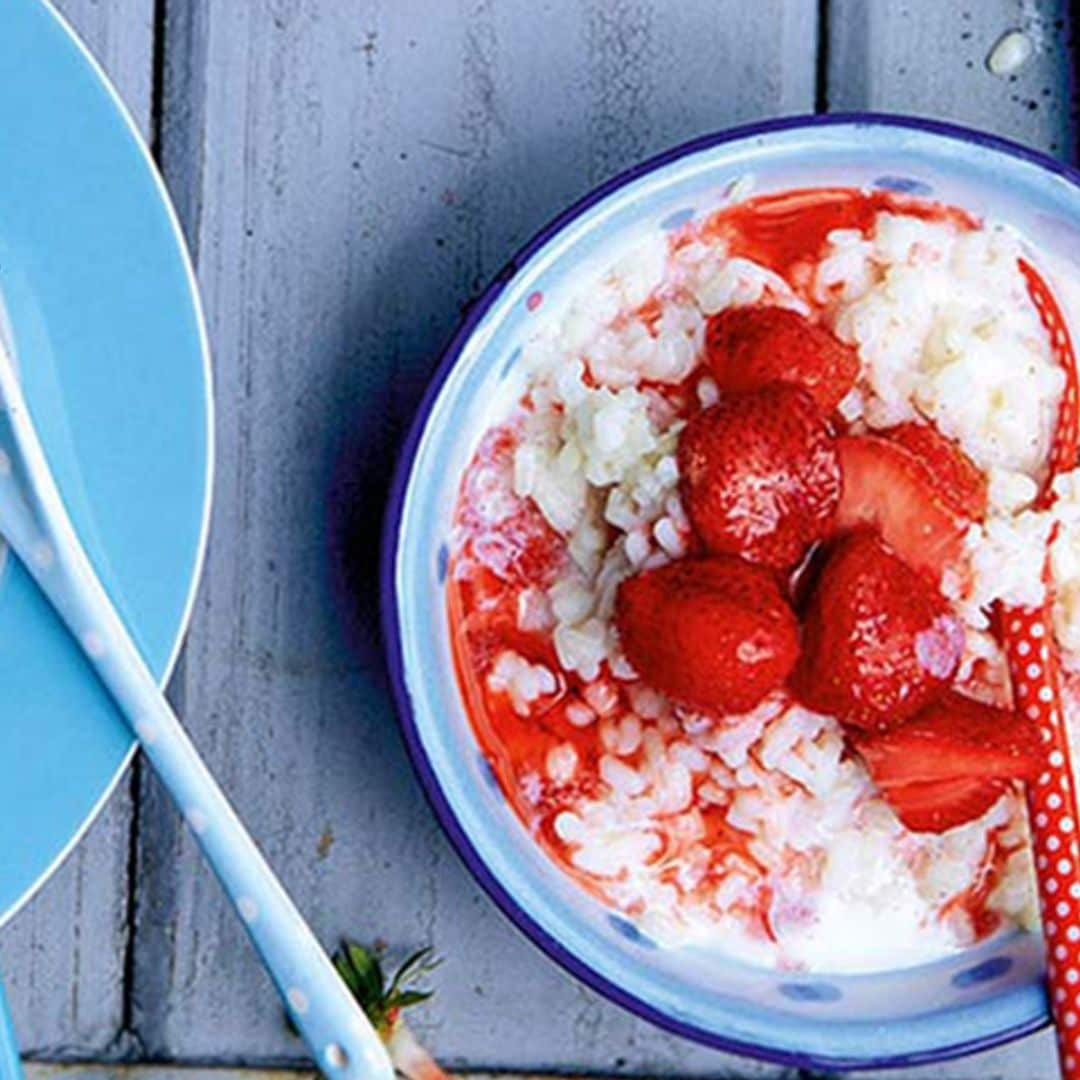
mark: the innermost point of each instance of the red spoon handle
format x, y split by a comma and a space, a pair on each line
1033, 668
1053, 816
1063, 450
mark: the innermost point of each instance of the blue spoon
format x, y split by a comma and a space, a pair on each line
10, 1065
35, 523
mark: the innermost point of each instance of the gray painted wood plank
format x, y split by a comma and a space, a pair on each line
120, 34
63, 955
929, 58
350, 174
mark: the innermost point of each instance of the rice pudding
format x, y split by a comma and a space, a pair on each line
723, 579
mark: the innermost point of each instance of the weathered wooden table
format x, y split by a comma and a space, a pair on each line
349, 173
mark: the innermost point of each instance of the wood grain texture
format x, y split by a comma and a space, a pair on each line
350, 174
63, 955
120, 34
928, 57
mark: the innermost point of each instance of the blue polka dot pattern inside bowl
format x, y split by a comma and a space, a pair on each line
904, 185
811, 991
993, 968
489, 774
631, 932
677, 219
511, 362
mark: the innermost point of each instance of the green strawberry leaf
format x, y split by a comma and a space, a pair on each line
422, 962
402, 999
362, 972
365, 979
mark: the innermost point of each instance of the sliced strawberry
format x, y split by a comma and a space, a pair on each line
750, 347
712, 632
879, 642
887, 488
953, 737
951, 762
759, 475
939, 805
957, 479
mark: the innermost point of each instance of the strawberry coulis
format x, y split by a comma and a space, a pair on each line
492, 564
785, 230
973, 902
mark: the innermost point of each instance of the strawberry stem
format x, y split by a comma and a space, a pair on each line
384, 1001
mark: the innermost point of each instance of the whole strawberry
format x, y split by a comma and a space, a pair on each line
760, 475
749, 347
715, 633
879, 641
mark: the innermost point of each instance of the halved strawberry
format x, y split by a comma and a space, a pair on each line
750, 347
939, 805
887, 488
759, 475
951, 762
879, 642
712, 632
957, 479
952, 737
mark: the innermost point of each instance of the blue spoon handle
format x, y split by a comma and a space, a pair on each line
36, 524
10, 1063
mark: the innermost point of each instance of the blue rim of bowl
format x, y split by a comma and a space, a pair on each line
392, 631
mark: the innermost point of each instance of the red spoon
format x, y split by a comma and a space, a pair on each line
1028, 638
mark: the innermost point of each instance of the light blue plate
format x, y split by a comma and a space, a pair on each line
103, 317
967, 1002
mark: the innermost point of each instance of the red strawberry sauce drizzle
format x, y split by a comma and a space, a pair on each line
788, 230
492, 564
973, 901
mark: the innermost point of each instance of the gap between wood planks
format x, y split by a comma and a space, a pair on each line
77, 1071
821, 59
46, 1071
127, 1042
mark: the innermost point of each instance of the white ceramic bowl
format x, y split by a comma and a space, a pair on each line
971, 1001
